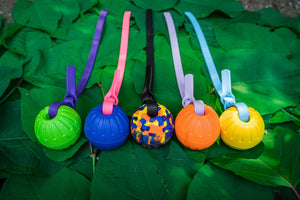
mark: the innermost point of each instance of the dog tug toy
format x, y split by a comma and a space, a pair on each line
197, 125
152, 124
242, 127
107, 125
58, 126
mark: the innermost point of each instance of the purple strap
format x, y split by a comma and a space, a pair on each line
185, 83
72, 91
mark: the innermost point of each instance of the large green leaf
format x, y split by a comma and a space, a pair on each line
37, 14
283, 115
86, 4
65, 184
10, 68
64, 154
278, 164
12, 140
8, 31
214, 183
133, 171
251, 36
273, 17
20, 187
27, 40
83, 167
18, 153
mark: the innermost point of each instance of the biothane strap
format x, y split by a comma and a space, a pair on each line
73, 92
224, 88
147, 94
185, 83
111, 98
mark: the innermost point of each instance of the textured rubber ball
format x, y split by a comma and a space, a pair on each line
197, 132
60, 132
152, 132
238, 134
106, 132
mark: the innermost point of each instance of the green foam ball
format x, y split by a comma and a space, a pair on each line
60, 132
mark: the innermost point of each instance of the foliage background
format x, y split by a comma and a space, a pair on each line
260, 48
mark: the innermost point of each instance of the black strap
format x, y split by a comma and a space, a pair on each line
147, 94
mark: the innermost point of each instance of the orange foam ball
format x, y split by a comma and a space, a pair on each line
197, 131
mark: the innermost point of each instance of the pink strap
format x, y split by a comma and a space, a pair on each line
111, 98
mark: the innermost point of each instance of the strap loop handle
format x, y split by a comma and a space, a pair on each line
224, 88
73, 92
111, 98
185, 83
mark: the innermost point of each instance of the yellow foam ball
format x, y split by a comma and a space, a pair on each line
238, 134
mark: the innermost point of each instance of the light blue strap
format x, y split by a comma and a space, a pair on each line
224, 88
228, 100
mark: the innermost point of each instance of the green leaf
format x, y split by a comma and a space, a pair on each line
41, 16
273, 17
8, 166
27, 40
204, 8
214, 183
64, 185
19, 187
10, 68
8, 31
251, 36
276, 166
156, 5
83, 167
70, 11
282, 116
295, 111
132, 171
18, 153
86, 4
61, 155
37, 14
115, 8
12, 138
47, 68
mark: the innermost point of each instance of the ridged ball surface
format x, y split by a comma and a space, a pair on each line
197, 131
238, 134
60, 132
106, 132
152, 132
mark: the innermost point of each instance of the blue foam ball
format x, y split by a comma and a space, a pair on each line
106, 132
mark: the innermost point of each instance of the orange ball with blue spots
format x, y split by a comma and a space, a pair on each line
152, 132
